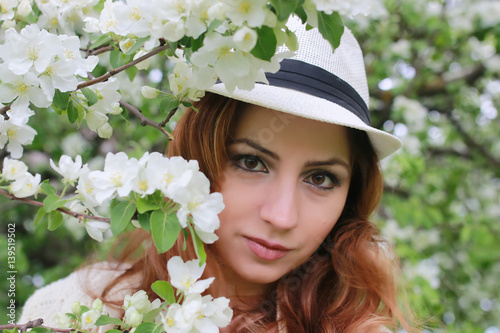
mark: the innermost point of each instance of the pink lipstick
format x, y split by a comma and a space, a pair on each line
266, 250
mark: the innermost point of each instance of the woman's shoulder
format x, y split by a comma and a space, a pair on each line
59, 296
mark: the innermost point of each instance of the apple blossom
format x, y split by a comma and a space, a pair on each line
26, 186
184, 275
70, 170
13, 169
17, 135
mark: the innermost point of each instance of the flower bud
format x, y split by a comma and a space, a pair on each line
132, 317
97, 305
105, 131
24, 8
149, 92
76, 308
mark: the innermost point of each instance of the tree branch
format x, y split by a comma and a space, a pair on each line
115, 71
62, 210
397, 191
469, 140
32, 324
144, 120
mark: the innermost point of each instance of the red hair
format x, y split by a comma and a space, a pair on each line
347, 285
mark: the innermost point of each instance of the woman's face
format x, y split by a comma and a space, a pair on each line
284, 188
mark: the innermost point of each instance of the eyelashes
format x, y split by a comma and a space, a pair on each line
318, 178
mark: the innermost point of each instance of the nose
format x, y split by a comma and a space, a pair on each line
280, 204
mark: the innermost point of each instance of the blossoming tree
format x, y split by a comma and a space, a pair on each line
63, 57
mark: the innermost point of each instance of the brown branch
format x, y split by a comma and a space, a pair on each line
115, 71
169, 116
5, 109
469, 141
102, 50
434, 151
144, 120
62, 210
397, 191
32, 324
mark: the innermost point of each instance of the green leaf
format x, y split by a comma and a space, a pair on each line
101, 41
121, 215
187, 104
55, 220
199, 247
146, 204
144, 221
284, 8
90, 95
40, 330
145, 328
301, 13
131, 72
151, 315
165, 229
114, 330
115, 58
266, 44
331, 27
61, 99
159, 329
13, 330
72, 113
52, 202
47, 188
164, 290
40, 214
107, 320
169, 103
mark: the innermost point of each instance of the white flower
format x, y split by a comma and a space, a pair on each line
97, 229
97, 305
31, 47
89, 318
351, 8
253, 12
70, 170
196, 200
139, 301
22, 89
245, 39
168, 175
8, 9
87, 189
17, 135
196, 314
62, 320
149, 92
26, 186
13, 169
132, 317
109, 98
24, 8
184, 275
117, 177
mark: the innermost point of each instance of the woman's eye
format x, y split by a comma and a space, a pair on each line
250, 163
322, 180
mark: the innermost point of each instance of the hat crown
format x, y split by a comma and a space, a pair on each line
346, 61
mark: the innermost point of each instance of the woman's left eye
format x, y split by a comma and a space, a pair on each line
322, 180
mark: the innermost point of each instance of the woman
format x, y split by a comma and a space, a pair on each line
297, 164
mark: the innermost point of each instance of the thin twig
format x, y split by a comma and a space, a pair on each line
62, 210
115, 71
169, 116
5, 109
144, 120
32, 324
102, 50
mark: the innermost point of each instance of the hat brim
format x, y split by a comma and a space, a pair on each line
304, 105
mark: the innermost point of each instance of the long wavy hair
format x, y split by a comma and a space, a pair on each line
347, 285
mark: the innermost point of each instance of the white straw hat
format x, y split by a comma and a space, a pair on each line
320, 84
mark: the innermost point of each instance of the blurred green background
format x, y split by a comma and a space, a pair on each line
434, 77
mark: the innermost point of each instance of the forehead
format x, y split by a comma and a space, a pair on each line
276, 130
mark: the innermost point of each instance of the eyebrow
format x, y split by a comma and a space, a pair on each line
309, 164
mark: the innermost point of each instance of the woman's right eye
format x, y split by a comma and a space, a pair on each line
249, 163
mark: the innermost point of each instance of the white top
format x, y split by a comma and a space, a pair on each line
60, 295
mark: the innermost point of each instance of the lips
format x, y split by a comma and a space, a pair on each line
266, 250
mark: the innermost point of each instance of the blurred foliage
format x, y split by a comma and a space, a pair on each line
434, 78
